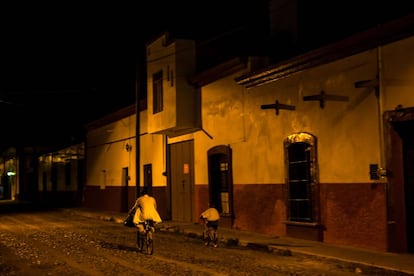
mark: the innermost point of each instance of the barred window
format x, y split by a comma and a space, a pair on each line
300, 156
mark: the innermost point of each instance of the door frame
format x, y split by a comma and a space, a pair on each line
224, 153
395, 196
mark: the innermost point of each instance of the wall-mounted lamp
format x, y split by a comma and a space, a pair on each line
377, 172
11, 171
128, 147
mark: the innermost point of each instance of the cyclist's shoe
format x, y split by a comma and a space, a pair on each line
215, 245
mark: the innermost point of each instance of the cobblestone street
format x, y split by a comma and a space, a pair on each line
60, 243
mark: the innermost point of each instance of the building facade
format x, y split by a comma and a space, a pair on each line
111, 162
316, 147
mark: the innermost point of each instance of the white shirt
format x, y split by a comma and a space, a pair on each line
211, 214
146, 208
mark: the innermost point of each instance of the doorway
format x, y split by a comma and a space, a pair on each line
220, 182
124, 190
400, 193
182, 180
148, 178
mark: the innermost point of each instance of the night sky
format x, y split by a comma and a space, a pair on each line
66, 64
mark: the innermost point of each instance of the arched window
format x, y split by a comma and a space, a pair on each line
221, 179
302, 200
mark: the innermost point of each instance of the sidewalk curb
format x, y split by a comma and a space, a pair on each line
357, 267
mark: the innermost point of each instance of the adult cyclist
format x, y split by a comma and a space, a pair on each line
145, 209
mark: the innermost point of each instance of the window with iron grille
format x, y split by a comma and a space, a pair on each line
300, 156
157, 93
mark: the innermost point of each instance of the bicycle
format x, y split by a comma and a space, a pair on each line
145, 241
209, 234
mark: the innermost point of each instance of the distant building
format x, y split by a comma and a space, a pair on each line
61, 176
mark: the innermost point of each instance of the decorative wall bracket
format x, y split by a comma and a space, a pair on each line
322, 98
367, 83
277, 106
373, 84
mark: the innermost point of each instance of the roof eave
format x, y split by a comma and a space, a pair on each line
375, 37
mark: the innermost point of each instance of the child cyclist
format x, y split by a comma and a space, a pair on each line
211, 218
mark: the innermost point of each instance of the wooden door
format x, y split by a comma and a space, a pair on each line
182, 180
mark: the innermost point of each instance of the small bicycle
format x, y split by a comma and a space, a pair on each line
209, 234
145, 241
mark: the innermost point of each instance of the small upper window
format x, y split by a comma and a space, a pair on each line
157, 93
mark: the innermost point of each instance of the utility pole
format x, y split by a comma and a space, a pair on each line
138, 124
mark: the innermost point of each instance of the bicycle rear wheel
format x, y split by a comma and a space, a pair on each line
212, 236
149, 243
205, 236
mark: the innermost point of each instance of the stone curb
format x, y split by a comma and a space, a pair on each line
357, 267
